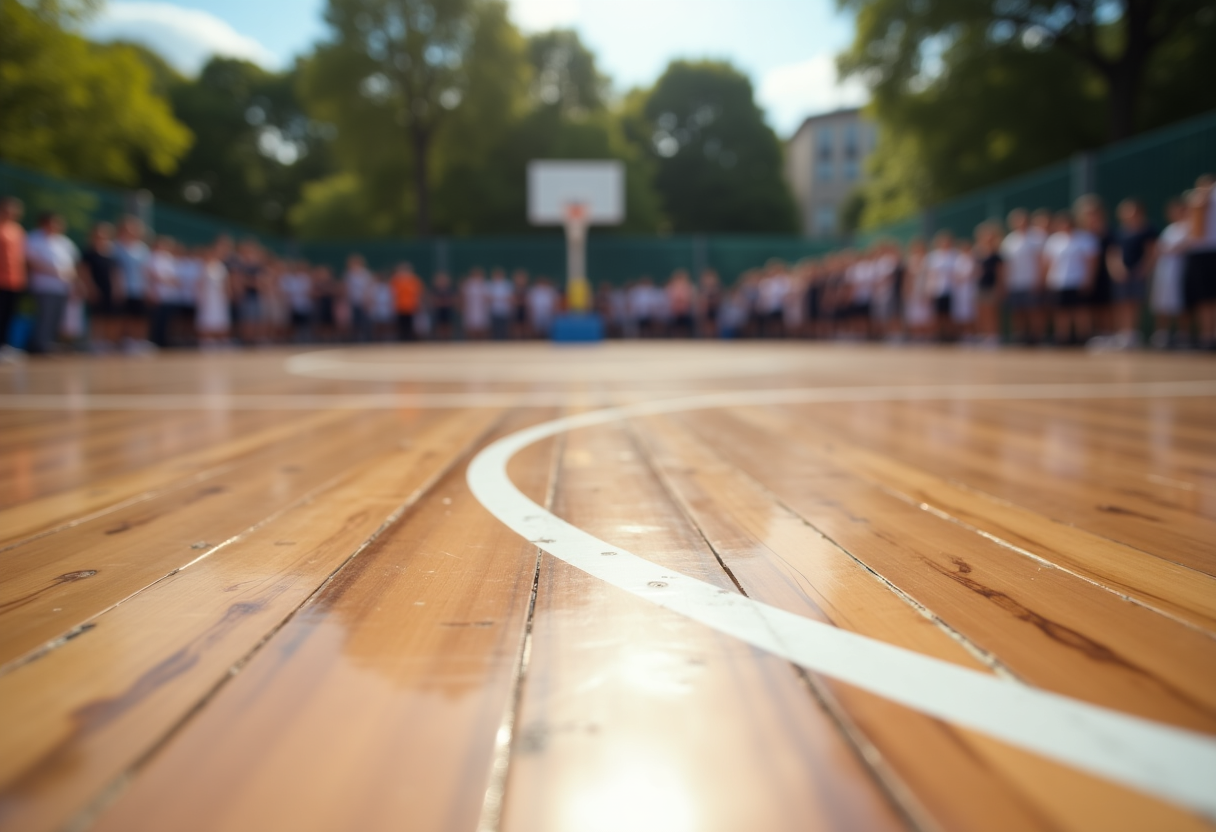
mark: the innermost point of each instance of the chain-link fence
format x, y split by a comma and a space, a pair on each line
1153, 167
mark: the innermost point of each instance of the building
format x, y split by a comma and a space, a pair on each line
824, 163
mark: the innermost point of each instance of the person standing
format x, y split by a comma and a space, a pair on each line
502, 302
1022, 252
475, 305
991, 281
681, 301
542, 306
12, 271
132, 254
53, 273
1199, 266
1166, 299
520, 329
939, 275
213, 312
101, 270
358, 282
964, 292
407, 300
443, 307
1130, 262
1071, 256
162, 289
295, 284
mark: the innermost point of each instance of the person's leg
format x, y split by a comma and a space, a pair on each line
8, 309
48, 314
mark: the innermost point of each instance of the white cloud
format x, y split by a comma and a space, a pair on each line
792, 92
542, 15
186, 38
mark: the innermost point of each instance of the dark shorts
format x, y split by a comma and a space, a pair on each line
1102, 292
1132, 290
442, 316
941, 305
860, 309
1199, 277
1021, 299
135, 307
300, 318
325, 311
1067, 298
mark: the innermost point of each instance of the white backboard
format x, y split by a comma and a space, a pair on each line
554, 184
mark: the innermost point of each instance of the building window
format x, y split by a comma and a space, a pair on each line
852, 142
824, 143
825, 221
823, 170
850, 171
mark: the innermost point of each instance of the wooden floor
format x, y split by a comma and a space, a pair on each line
255, 591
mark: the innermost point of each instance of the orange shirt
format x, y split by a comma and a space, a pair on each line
407, 292
12, 257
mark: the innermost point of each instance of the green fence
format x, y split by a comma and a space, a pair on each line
82, 206
1153, 167
609, 258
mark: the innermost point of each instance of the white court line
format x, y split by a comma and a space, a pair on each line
557, 398
1170, 763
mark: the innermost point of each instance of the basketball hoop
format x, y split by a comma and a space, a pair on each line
575, 194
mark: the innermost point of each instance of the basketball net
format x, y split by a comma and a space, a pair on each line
578, 290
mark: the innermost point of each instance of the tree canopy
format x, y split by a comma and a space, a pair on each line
718, 164
969, 92
74, 108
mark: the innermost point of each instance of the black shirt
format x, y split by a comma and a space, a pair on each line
988, 269
1133, 247
101, 268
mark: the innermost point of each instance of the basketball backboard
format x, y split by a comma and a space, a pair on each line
556, 184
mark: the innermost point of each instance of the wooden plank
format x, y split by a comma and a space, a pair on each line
633, 717
66, 461
377, 706
1048, 627
108, 493
1160, 584
118, 690
52, 584
942, 448
777, 558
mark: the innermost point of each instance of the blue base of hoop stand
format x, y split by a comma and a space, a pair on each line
578, 329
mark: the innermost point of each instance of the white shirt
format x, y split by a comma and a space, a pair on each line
773, 289
297, 286
1068, 253
542, 302
1023, 253
53, 259
939, 271
502, 297
162, 271
861, 276
189, 272
359, 288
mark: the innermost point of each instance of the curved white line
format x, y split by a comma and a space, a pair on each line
1170, 763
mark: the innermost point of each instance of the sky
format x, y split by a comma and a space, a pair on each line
786, 46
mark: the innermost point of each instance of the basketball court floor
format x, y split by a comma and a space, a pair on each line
664, 587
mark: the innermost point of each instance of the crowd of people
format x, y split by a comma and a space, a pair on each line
1069, 277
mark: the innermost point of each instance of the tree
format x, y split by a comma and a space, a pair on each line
255, 149
718, 165
409, 58
72, 108
1115, 40
566, 117
971, 92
